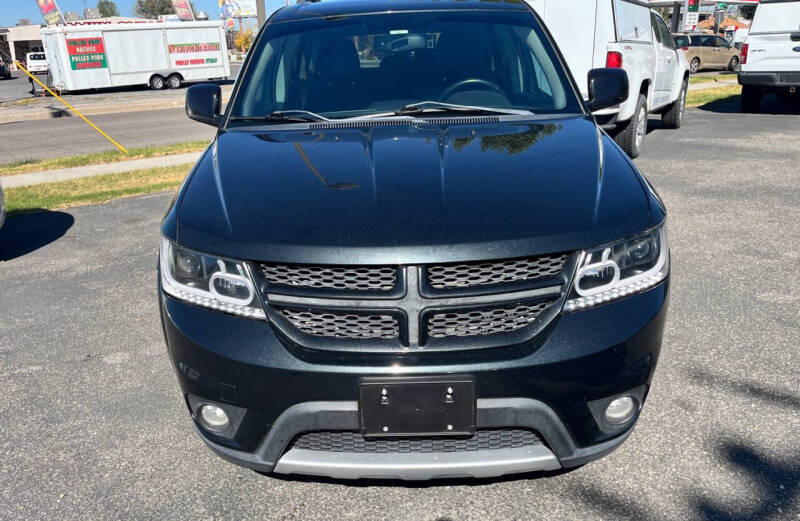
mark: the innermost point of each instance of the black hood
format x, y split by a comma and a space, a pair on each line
411, 193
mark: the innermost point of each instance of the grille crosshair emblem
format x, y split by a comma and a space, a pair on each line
413, 303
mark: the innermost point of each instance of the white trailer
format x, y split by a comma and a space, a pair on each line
97, 55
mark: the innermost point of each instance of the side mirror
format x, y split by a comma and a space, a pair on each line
607, 87
203, 103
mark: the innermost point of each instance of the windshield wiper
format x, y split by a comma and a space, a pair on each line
426, 107
285, 116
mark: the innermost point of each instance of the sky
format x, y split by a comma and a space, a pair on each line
12, 10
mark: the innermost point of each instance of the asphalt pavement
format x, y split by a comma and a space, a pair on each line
59, 137
92, 424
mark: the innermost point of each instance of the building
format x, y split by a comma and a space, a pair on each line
91, 13
16, 42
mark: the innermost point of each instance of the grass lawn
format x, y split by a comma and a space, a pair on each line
702, 97
708, 79
36, 165
98, 189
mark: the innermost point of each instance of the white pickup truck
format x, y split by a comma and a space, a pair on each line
622, 34
770, 59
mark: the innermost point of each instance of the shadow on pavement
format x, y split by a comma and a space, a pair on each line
778, 484
776, 481
141, 88
27, 232
771, 105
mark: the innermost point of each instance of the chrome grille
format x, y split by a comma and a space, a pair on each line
484, 322
499, 272
354, 278
351, 326
354, 442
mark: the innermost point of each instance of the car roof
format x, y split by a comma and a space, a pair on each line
325, 8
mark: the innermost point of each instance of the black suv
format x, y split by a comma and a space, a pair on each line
410, 252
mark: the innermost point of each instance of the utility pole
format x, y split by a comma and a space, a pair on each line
261, 12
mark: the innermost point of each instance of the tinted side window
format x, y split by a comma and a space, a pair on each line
682, 41
720, 42
704, 41
656, 32
666, 38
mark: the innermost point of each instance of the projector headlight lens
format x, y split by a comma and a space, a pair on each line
620, 269
208, 281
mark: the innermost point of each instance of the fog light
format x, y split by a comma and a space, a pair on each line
620, 410
214, 418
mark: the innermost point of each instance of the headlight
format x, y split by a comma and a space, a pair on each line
208, 281
620, 269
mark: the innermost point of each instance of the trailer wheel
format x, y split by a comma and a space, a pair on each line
174, 81
157, 82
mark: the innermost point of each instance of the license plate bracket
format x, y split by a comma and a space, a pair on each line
417, 406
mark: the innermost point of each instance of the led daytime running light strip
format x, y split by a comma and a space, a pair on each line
629, 286
198, 297
618, 292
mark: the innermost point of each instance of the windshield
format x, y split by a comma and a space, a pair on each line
371, 64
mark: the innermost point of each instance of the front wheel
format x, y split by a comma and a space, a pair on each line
631, 135
157, 82
751, 98
694, 65
733, 65
673, 117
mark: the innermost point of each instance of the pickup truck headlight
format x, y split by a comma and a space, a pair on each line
620, 269
208, 281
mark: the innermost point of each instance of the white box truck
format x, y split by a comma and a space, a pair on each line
97, 55
623, 34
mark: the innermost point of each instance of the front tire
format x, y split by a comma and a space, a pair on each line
694, 65
673, 117
751, 98
631, 135
157, 82
733, 65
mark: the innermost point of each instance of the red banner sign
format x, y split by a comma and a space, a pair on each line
50, 11
183, 9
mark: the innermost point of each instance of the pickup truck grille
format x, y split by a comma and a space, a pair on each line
432, 307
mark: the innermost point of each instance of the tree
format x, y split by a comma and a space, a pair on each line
152, 8
747, 12
244, 39
107, 8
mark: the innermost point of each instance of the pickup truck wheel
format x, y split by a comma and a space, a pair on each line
157, 82
733, 65
631, 135
694, 65
673, 117
751, 98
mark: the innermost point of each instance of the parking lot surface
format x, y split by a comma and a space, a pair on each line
93, 425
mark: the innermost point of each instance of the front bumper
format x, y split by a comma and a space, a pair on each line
770, 80
545, 386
